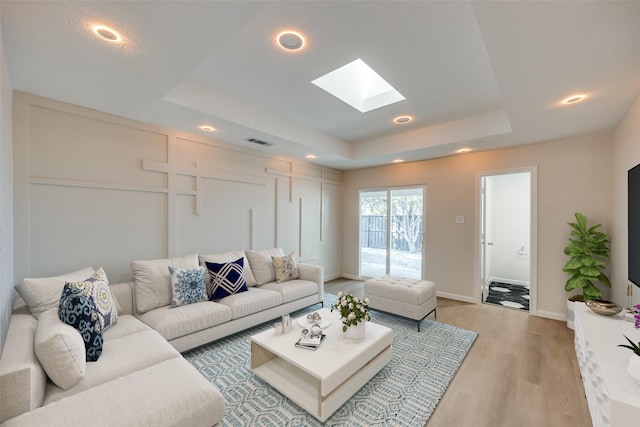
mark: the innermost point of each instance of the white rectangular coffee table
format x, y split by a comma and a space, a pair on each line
320, 381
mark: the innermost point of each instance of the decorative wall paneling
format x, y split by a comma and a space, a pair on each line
100, 190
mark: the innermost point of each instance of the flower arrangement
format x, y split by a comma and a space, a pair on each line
633, 347
352, 309
636, 315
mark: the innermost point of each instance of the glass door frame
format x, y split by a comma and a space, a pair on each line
388, 238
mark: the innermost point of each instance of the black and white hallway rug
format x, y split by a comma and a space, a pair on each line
508, 295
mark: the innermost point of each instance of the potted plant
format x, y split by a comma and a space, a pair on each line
354, 313
633, 369
588, 251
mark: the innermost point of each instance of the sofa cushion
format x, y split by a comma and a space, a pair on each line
79, 311
252, 301
96, 287
60, 350
153, 280
176, 322
293, 289
222, 257
41, 294
123, 356
169, 394
226, 279
286, 267
262, 264
127, 325
187, 286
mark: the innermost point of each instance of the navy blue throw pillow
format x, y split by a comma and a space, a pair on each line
79, 311
226, 279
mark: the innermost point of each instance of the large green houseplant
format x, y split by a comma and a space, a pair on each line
588, 251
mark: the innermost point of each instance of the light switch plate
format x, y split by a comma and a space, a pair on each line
460, 219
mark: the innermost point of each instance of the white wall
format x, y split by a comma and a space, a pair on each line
508, 210
99, 190
625, 155
573, 175
6, 197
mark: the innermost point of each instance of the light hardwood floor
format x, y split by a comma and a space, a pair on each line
521, 371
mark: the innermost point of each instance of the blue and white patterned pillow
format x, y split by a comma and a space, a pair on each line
226, 279
187, 286
79, 311
97, 288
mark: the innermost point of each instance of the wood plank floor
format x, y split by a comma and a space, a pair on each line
521, 371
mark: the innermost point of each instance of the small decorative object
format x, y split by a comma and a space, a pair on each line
633, 368
286, 323
605, 308
279, 329
314, 318
636, 316
354, 313
311, 338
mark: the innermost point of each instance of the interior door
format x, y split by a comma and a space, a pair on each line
506, 229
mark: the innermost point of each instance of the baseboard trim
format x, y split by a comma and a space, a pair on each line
333, 277
456, 297
553, 316
353, 277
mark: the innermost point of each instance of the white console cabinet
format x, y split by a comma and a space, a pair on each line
613, 397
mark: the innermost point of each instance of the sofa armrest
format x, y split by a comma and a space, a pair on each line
313, 273
22, 380
170, 394
123, 294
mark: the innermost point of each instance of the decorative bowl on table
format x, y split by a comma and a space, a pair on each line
310, 320
605, 308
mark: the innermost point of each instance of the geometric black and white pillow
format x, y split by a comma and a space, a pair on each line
226, 279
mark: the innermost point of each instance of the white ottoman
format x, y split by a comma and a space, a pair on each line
412, 298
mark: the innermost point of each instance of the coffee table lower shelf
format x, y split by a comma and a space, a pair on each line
304, 389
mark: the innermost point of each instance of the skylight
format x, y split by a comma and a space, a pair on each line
360, 86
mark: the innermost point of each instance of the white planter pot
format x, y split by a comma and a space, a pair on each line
356, 332
634, 368
570, 314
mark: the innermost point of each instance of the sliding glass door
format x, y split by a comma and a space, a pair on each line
391, 232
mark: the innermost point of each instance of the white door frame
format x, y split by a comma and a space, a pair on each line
533, 258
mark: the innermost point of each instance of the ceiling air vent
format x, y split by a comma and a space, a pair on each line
260, 142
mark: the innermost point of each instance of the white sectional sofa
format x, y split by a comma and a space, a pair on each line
141, 379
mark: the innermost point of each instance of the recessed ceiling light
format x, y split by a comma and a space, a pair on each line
360, 86
207, 128
310, 156
397, 161
463, 150
106, 33
574, 98
402, 120
290, 40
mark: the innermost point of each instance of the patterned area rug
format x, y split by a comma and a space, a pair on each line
403, 393
508, 295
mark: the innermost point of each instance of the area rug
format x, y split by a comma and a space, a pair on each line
404, 393
508, 295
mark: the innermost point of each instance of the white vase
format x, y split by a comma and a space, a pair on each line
355, 332
634, 368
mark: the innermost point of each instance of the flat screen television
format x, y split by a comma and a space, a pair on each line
634, 224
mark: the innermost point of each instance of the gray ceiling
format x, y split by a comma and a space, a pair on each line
475, 74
